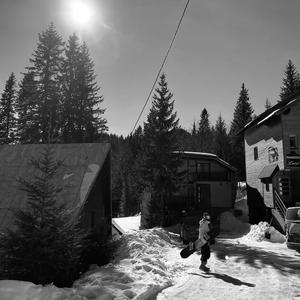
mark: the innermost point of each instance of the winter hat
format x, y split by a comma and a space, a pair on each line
206, 216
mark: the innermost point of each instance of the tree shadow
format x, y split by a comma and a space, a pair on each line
257, 257
226, 278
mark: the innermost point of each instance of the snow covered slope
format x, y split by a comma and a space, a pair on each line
148, 266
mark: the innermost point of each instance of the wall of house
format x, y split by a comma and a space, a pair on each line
220, 193
221, 181
291, 126
268, 140
96, 213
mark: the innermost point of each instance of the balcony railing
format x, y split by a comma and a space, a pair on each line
218, 176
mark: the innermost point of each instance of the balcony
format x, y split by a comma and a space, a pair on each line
207, 176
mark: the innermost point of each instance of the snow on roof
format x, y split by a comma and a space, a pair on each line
268, 116
269, 113
197, 153
206, 155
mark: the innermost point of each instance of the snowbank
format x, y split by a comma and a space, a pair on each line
128, 224
259, 232
140, 271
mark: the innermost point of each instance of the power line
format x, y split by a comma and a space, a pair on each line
162, 65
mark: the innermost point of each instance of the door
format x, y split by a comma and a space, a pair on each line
203, 196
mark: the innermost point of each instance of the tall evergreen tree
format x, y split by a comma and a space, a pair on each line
7, 111
46, 66
90, 121
160, 166
27, 110
243, 113
194, 139
205, 132
71, 92
221, 139
290, 83
47, 243
268, 104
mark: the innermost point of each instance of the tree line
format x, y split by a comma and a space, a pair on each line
57, 100
142, 160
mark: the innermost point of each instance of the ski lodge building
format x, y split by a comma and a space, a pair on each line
272, 154
207, 183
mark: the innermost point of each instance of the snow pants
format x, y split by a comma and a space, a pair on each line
205, 252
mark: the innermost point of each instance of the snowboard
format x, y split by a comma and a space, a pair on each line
191, 248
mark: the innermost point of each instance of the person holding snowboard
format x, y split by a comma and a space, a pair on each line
204, 230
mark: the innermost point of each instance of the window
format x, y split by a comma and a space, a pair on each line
293, 141
267, 187
203, 168
255, 153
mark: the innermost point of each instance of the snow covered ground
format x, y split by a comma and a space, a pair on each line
244, 265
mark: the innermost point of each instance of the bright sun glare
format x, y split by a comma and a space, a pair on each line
80, 12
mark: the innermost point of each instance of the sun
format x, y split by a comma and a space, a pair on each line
80, 12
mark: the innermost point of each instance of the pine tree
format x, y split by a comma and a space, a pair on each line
194, 138
221, 139
290, 83
47, 66
47, 243
71, 93
160, 166
243, 113
90, 121
268, 104
7, 112
205, 132
27, 110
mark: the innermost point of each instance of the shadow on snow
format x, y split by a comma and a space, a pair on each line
225, 278
257, 257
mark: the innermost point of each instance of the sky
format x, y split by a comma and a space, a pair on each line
220, 45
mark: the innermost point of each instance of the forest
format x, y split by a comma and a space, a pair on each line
58, 100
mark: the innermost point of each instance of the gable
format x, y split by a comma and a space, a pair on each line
81, 166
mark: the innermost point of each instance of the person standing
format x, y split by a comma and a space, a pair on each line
204, 230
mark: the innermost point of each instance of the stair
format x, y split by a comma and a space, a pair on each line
279, 220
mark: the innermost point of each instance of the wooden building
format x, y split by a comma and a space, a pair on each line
208, 184
85, 179
272, 157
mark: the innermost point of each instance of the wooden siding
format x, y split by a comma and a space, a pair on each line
220, 180
264, 138
220, 193
218, 172
291, 125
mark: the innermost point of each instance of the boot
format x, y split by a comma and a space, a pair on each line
203, 266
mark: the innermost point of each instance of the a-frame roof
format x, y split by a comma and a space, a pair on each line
81, 166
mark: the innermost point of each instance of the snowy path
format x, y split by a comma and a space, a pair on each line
148, 266
262, 270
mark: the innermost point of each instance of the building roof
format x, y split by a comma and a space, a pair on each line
204, 155
81, 165
268, 171
270, 113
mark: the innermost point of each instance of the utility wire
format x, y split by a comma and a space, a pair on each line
162, 65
